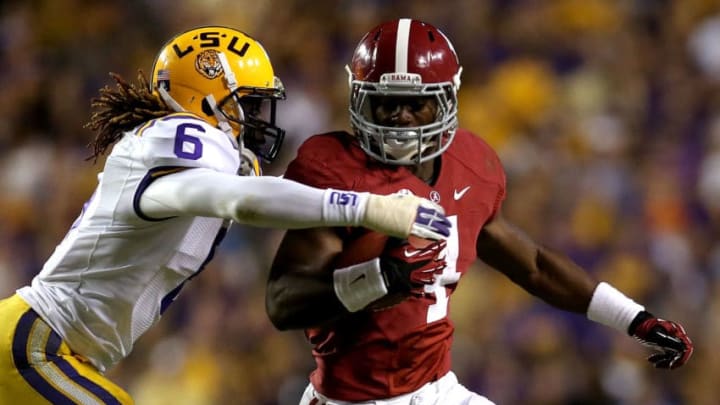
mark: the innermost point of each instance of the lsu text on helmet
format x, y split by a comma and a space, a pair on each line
226, 78
404, 58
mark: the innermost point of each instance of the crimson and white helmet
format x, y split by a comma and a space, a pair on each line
404, 57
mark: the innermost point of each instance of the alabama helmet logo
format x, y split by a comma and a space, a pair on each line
208, 64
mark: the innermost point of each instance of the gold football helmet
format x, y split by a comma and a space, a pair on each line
225, 77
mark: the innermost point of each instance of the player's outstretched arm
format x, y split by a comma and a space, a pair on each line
553, 277
281, 203
671, 345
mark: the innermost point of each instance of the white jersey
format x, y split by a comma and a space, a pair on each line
116, 270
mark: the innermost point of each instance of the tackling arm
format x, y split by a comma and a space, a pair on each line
280, 203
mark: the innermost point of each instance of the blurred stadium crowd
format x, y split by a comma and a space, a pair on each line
605, 113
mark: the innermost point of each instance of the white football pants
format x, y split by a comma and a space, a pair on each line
445, 391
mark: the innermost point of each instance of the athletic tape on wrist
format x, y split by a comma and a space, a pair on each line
392, 214
612, 308
360, 284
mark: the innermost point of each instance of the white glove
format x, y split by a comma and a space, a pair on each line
430, 221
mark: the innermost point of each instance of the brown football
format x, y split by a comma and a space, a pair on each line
370, 245
367, 246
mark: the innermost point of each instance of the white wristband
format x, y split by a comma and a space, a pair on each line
612, 308
360, 284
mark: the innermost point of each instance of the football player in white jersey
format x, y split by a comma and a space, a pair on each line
183, 164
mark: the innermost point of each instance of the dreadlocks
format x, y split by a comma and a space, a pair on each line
120, 109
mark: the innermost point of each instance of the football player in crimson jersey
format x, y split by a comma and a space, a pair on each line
404, 79
183, 166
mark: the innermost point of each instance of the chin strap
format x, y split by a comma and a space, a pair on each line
223, 123
249, 163
167, 98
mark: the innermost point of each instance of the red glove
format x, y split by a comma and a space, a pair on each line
408, 269
668, 338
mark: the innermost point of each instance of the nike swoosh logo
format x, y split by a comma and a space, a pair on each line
360, 277
459, 194
410, 253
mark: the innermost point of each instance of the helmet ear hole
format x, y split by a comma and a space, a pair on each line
206, 108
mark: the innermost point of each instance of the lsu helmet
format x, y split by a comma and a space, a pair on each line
225, 77
404, 57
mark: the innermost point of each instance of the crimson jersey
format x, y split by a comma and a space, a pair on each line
381, 354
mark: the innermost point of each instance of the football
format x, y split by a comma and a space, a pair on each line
372, 244
418, 242
365, 247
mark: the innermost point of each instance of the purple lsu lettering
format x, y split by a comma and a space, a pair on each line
339, 198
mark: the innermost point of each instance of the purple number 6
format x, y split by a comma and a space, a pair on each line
182, 138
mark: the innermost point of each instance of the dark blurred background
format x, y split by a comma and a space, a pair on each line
605, 113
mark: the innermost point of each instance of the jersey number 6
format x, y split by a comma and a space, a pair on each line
188, 146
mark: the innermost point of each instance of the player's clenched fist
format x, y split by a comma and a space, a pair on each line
408, 268
668, 338
402, 269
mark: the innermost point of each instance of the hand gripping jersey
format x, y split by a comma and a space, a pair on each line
117, 270
381, 354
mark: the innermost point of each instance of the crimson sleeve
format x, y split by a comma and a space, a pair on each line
315, 166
